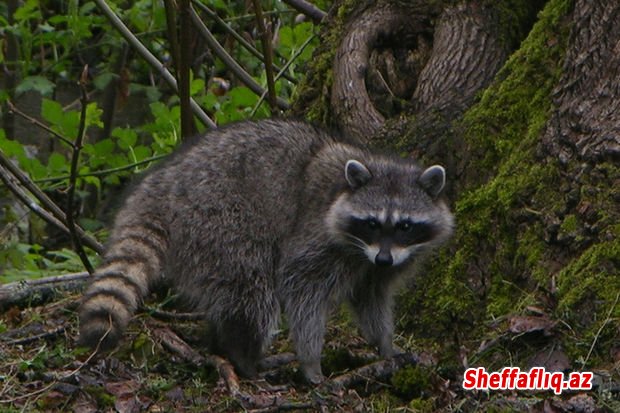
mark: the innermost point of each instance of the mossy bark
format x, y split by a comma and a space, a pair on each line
534, 182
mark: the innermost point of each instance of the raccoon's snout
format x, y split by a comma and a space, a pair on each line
384, 258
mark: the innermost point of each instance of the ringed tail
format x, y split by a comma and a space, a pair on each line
134, 259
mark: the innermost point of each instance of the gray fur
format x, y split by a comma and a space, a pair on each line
252, 219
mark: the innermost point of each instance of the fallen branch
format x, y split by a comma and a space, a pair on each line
275, 361
284, 407
378, 371
176, 345
41, 336
173, 316
28, 292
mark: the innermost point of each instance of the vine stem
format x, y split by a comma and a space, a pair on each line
227, 59
265, 33
9, 171
75, 158
133, 41
213, 15
308, 9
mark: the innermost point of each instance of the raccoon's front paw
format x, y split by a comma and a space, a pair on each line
386, 352
389, 351
312, 373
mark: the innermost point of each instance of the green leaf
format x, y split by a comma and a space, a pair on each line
126, 137
93, 115
10, 147
93, 180
52, 111
141, 152
30, 10
242, 96
210, 101
57, 163
198, 85
104, 148
37, 83
103, 80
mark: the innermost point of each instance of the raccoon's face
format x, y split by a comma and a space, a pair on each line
391, 211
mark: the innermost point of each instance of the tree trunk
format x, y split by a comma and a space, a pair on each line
523, 108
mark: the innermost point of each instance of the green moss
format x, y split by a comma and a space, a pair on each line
527, 229
569, 224
421, 405
411, 381
595, 273
104, 399
499, 248
312, 97
513, 111
589, 290
382, 402
340, 359
515, 17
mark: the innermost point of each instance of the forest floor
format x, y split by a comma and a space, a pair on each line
42, 370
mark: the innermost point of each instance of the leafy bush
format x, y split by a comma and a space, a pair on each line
46, 45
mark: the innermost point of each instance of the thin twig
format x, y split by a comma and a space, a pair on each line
308, 9
75, 158
62, 378
286, 66
151, 59
13, 109
173, 38
60, 219
265, 34
231, 63
247, 45
183, 68
104, 172
42, 336
7, 178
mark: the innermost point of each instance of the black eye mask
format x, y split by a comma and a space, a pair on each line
404, 233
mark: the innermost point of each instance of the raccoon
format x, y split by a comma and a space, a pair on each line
270, 217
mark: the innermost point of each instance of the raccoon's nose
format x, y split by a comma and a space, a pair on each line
384, 259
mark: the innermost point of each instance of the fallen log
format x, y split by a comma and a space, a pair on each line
27, 293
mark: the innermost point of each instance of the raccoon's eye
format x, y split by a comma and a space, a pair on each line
405, 226
373, 223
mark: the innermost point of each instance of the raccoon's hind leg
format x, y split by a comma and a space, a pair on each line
241, 342
372, 304
242, 322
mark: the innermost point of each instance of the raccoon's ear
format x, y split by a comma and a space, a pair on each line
356, 173
433, 180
